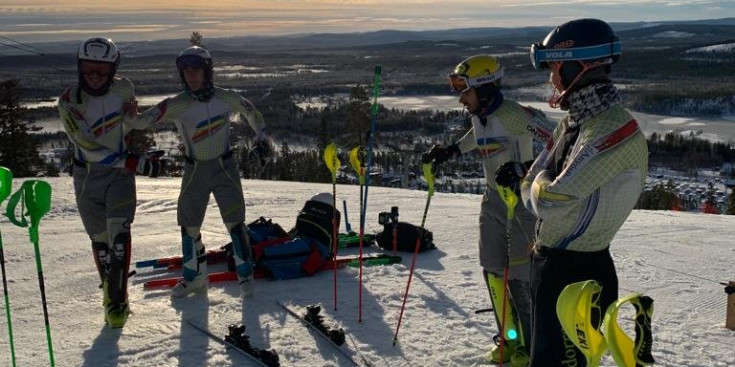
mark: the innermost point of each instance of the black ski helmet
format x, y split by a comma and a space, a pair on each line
580, 45
197, 57
97, 49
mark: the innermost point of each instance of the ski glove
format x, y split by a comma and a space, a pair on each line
148, 165
439, 155
510, 173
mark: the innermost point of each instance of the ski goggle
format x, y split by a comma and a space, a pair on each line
191, 61
541, 56
460, 83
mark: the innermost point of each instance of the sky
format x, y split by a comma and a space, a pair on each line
677, 258
134, 20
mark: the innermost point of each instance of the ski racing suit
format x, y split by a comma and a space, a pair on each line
204, 127
582, 187
505, 131
104, 188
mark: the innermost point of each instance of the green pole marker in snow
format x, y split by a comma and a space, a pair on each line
6, 182
35, 198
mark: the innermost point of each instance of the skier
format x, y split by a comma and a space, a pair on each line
104, 171
502, 130
583, 185
203, 114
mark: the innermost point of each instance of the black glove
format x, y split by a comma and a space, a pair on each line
439, 155
148, 165
510, 173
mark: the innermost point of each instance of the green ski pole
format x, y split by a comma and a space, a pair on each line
35, 195
6, 181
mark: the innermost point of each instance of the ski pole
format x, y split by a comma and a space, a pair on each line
371, 138
510, 199
333, 163
348, 228
357, 165
429, 175
6, 181
35, 195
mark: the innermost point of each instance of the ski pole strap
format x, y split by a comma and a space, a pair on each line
509, 198
6, 183
358, 164
332, 160
429, 175
35, 196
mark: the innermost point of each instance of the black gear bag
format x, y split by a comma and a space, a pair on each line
406, 234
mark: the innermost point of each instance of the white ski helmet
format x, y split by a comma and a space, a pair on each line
98, 49
323, 197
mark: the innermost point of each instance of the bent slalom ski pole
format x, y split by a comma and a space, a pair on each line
333, 163
429, 175
6, 181
510, 199
35, 195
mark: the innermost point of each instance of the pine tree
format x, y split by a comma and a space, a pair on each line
731, 204
358, 116
18, 148
196, 39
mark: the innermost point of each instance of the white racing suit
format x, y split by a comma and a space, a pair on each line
204, 128
581, 197
507, 133
105, 190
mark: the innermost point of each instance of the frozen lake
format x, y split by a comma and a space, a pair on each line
713, 129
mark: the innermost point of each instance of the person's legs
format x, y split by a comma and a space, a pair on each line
192, 206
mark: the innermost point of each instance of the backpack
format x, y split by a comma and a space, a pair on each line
289, 258
315, 221
406, 238
262, 230
305, 249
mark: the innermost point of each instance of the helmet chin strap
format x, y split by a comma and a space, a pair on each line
560, 92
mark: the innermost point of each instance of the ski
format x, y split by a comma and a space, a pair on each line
335, 336
344, 240
226, 276
175, 262
239, 341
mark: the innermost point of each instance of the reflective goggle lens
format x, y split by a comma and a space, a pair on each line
458, 83
190, 61
535, 48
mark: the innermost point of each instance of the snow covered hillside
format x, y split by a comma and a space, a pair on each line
675, 257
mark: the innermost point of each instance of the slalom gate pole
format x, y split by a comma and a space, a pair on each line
6, 181
429, 175
333, 163
371, 140
348, 227
510, 199
357, 165
35, 195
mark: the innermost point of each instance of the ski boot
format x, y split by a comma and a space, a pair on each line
195, 268
236, 336
116, 315
513, 352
